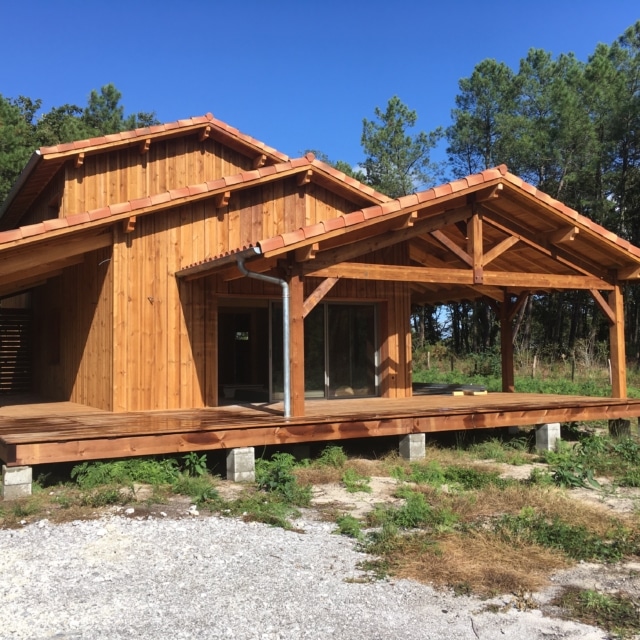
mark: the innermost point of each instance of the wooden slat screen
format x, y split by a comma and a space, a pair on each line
15, 350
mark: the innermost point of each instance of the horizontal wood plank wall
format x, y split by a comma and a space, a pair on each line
126, 174
73, 333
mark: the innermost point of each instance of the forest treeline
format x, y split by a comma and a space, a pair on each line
569, 127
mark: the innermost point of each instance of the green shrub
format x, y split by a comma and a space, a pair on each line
152, 471
276, 476
355, 482
349, 526
332, 456
194, 465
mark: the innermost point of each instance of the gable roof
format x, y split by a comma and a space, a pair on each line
526, 232
45, 162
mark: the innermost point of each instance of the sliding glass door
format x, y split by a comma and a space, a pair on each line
340, 351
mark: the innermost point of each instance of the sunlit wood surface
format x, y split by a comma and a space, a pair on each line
34, 432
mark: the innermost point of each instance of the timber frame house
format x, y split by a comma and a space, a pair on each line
148, 269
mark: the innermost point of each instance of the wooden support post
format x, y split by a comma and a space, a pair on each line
506, 345
616, 342
296, 310
474, 246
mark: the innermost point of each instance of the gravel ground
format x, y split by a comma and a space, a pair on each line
210, 577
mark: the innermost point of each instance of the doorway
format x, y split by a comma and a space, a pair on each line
340, 351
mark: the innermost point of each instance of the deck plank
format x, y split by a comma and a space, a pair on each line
34, 433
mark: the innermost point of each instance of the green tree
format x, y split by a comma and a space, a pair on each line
483, 119
104, 114
397, 161
15, 136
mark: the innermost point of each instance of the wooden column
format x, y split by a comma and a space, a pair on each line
506, 345
296, 328
616, 343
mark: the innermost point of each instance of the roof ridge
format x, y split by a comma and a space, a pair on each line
169, 127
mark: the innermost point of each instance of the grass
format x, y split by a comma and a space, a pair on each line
615, 612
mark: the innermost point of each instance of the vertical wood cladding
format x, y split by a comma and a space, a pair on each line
73, 333
127, 174
165, 329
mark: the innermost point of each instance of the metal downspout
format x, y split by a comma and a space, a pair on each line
285, 327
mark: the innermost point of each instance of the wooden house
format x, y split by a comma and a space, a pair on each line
151, 276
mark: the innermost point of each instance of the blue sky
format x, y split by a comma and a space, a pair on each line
296, 75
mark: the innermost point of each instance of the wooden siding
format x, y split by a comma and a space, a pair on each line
73, 333
165, 329
127, 174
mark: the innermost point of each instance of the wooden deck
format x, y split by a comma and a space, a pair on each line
39, 432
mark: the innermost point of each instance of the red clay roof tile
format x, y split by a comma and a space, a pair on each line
425, 196
176, 194
354, 217
334, 223
55, 223
122, 207
195, 189
459, 185
474, 179
443, 190
10, 235
32, 230
313, 230
271, 244
372, 212
160, 198
79, 218
140, 203
99, 214
212, 185
293, 237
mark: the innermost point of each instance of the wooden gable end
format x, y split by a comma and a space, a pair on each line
130, 173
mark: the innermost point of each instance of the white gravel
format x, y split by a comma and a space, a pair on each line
209, 577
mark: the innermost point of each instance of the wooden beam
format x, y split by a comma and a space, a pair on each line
204, 133
129, 224
616, 340
532, 281
506, 346
604, 305
490, 193
145, 145
304, 178
517, 305
498, 249
221, 200
304, 254
259, 161
296, 328
629, 273
348, 251
13, 265
317, 295
446, 242
406, 221
79, 160
558, 253
30, 278
567, 234
474, 246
